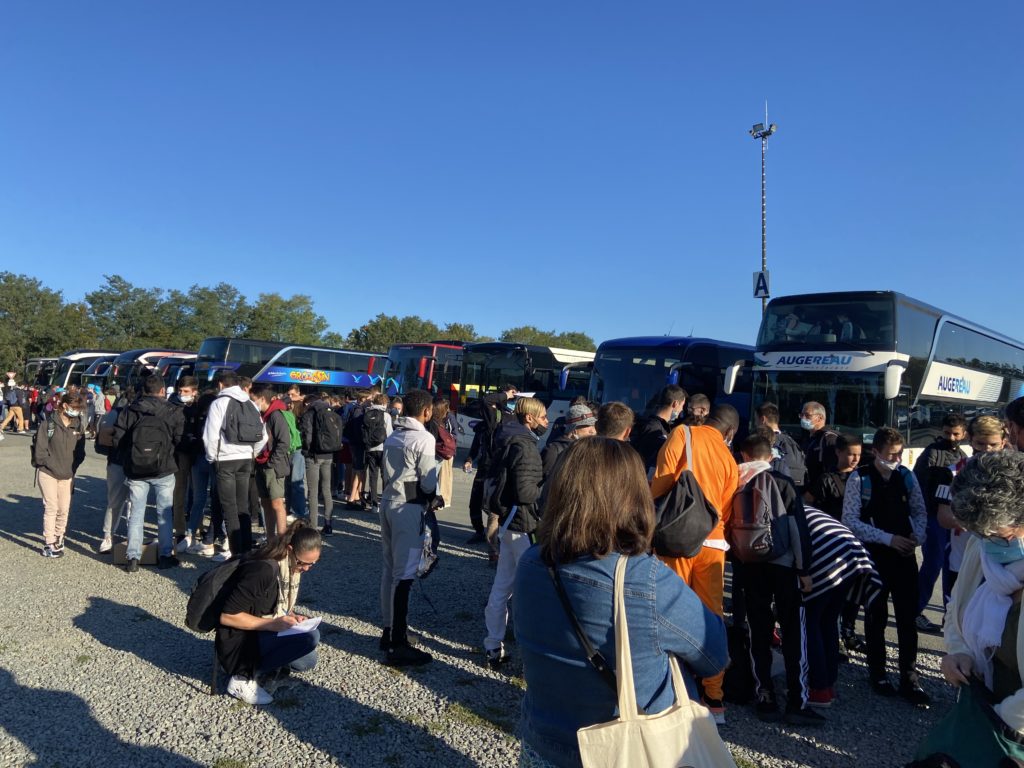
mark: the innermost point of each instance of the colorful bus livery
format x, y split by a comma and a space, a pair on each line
283, 365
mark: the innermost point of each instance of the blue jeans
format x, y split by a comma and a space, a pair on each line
295, 651
297, 485
933, 561
200, 491
138, 491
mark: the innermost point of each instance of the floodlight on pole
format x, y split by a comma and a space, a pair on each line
762, 133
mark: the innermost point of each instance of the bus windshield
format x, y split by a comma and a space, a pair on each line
487, 371
856, 403
631, 376
405, 367
829, 322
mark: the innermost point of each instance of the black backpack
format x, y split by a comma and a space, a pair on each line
759, 528
149, 446
791, 459
242, 422
353, 429
375, 428
683, 517
326, 431
210, 592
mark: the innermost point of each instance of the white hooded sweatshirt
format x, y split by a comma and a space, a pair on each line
217, 447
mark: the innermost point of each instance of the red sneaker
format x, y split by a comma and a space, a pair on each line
820, 697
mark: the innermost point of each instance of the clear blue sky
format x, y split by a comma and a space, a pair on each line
588, 161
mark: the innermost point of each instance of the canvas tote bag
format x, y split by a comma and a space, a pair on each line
683, 736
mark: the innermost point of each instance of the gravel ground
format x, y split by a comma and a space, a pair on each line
97, 667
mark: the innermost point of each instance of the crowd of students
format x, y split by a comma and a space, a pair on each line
843, 528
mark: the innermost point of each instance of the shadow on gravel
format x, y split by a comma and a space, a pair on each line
21, 517
160, 643
30, 715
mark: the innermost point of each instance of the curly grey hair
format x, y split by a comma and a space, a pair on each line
988, 493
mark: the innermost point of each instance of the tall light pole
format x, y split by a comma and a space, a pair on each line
759, 131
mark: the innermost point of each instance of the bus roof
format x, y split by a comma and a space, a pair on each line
421, 344
134, 354
80, 353
561, 355
671, 342
287, 344
896, 296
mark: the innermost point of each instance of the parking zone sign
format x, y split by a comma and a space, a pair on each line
761, 285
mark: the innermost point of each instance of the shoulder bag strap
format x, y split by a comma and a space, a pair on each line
597, 661
688, 435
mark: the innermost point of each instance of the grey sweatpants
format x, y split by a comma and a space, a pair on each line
401, 539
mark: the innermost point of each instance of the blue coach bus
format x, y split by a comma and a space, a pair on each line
633, 370
282, 365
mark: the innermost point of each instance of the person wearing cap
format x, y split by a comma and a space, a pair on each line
580, 421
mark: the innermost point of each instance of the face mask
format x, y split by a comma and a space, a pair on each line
540, 429
807, 424
186, 399
673, 415
510, 406
72, 413
889, 465
1002, 554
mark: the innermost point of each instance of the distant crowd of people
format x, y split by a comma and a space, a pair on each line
814, 533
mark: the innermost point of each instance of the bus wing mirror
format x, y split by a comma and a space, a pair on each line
563, 379
893, 379
732, 373
672, 377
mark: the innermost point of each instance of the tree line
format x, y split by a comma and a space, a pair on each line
37, 321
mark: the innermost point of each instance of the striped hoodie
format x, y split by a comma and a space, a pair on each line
837, 557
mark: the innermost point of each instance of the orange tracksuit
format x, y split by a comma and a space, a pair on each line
717, 474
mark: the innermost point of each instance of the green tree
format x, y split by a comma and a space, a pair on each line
529, 334
129, 317
37, 322
381, 332
294, 320
204, 312
459, 332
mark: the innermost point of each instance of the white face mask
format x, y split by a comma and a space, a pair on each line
72, 413
186, 399
888, 465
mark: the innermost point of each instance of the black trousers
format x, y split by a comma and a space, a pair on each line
476, 502
764, 583
233, 479
899, 580
373, 463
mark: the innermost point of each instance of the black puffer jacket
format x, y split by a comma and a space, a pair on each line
525, 473
552, 451
931, 468
649, 434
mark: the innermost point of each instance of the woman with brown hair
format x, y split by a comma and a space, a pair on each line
599, 510
58, 449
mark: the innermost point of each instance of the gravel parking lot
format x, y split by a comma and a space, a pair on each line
97, 667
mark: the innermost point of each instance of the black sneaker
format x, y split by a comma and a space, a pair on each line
805, 716
767, 708
924, 624
168, 561
910, 690
883, 687
406, 656
133, 565
327, 530
853, 643
411, 638
497, 658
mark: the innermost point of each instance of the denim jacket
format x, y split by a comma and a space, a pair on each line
563, 692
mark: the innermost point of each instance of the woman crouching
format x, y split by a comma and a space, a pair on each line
261, 604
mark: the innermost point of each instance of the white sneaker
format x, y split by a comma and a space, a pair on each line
106, 545
184, 544
198, 548
247, 690
290, 519
222, 556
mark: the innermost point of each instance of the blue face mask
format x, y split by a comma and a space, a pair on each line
1004, 555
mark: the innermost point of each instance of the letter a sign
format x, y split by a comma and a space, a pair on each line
761, 285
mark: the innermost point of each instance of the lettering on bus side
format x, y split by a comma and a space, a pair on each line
815, 360
958, 384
